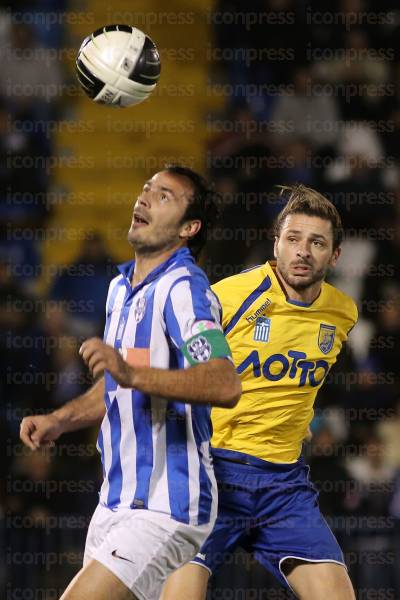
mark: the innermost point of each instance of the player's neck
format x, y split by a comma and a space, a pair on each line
306, 296
145, 263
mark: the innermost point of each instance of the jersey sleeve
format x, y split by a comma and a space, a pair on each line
224, 301
111, 295
193, 321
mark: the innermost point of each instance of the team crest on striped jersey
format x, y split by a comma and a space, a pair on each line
326, 337
262, 329
140, 309
199, 349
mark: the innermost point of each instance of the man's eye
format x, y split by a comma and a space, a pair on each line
164, 197
292, 239
317, 243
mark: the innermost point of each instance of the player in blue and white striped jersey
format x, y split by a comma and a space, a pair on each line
158, 499
151, 448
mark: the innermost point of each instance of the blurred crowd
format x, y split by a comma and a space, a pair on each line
312, 95
41, 330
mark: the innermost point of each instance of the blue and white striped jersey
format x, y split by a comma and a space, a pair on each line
155, 452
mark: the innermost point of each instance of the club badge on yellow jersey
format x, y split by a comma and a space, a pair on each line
283, 350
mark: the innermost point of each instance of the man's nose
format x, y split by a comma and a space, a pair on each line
144, 199
303, 250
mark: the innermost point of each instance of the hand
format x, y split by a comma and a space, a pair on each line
40, 431
99, 357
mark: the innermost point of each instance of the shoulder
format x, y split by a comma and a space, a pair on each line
113, 290
184, 281
243, 284
115, 282
341, 303
183, 272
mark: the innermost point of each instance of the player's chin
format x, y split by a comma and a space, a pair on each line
301, 281
133, 235
302, 275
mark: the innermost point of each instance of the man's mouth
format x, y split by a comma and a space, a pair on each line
139, 220
301, 268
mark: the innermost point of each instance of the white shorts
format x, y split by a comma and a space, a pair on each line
142, 547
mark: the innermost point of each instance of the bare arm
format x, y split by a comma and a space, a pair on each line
84, 411
214, 382
40, 431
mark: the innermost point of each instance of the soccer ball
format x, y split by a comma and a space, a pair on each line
118, 65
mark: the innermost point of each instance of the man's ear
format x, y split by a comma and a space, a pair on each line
275, 246
335, 256
190, 229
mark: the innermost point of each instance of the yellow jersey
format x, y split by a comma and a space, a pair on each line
282, 350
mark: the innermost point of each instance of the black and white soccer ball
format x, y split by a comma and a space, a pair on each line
118, 65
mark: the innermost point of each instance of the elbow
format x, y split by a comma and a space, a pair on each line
225, 387
230, 394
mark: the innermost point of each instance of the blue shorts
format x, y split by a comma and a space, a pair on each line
271, 510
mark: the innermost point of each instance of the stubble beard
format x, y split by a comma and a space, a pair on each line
149, 248
302, 284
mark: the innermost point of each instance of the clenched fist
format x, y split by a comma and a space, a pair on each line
40, 431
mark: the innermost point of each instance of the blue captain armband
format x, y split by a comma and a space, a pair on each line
204, 346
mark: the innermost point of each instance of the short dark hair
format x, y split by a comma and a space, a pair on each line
202, 206
305, 200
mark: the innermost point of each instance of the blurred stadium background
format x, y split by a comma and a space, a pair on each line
252, 94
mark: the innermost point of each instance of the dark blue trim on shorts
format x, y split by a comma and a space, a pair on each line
248, 459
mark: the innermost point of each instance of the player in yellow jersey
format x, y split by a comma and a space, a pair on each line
285, 326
